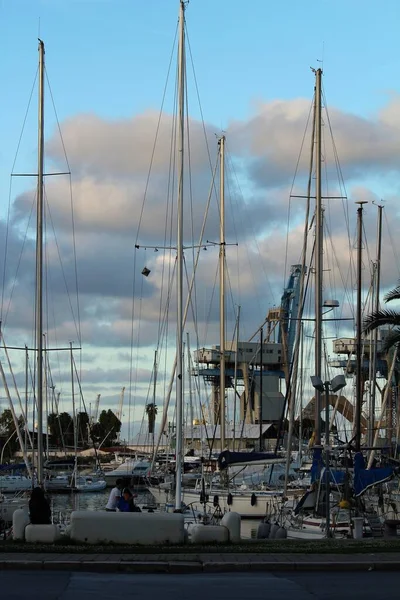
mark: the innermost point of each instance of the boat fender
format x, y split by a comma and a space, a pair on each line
263, 530
229, 499
280, 534
253, 500
216, 500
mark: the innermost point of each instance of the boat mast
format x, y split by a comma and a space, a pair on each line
221, 143
180, 141
374, 345
74, 419
359, 386
318, 252
39, 268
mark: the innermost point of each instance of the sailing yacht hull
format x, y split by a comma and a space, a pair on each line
249, 505
9, 484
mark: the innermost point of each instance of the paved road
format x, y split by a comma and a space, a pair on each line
236, 586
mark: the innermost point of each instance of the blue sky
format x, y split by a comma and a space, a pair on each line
107, 64
110, 57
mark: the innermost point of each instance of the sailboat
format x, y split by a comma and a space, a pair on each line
331, 507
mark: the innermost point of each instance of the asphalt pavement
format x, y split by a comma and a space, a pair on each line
235, 586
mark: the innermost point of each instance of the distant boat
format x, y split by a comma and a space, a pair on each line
86, 483
9, 484
135, 472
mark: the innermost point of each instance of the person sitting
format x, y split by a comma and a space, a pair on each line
126, 502
39, 508
115, 496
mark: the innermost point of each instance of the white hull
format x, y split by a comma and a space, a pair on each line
9, 505
9, 484
266, 502
93, 486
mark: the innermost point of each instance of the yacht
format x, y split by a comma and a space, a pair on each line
133, 471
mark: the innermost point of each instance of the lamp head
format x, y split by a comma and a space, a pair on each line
338, 383
317, 383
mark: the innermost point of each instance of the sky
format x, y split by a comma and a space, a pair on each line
107, 64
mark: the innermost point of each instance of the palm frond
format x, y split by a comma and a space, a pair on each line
392, 339
392, 294
380, 318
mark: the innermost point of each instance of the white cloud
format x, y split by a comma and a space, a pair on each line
110, 162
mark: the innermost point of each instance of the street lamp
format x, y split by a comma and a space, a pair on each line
336, 384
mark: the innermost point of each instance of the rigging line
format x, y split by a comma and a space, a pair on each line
141, 217
198, 99
230, 196
138, 338
199, 247
4, 320
156, 137
190, 189
61, 265
291, 191
58, 122
9, 196
208, 318
48, 275
78, 311
342, 184
394, 247
170, 204
254, 236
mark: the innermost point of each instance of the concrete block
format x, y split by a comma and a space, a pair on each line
201, 534
45, 534
150, 529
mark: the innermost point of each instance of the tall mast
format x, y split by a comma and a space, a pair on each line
357, 417
74, 418
39, 268
191, 413
318, 252
221, 143
374, 345
180, 142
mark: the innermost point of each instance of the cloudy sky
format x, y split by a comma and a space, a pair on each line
107, 64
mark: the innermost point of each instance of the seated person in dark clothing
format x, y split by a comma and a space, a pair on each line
39, 508
126, 502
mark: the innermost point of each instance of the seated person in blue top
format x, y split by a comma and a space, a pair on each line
126, 502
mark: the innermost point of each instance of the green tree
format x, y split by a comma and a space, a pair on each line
386, 317
61, 428
108, 425
7, 429
82, 420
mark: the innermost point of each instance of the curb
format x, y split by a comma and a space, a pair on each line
179, 567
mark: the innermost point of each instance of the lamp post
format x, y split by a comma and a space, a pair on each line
336, 384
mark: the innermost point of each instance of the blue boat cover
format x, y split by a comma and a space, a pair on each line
367, 478
317, 464
13, 467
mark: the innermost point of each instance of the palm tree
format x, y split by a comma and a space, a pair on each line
151, 411
386, 317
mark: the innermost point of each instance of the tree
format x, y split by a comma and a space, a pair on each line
151, 412
82, 420
7, 429
386, 317
61, 428
108, 425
